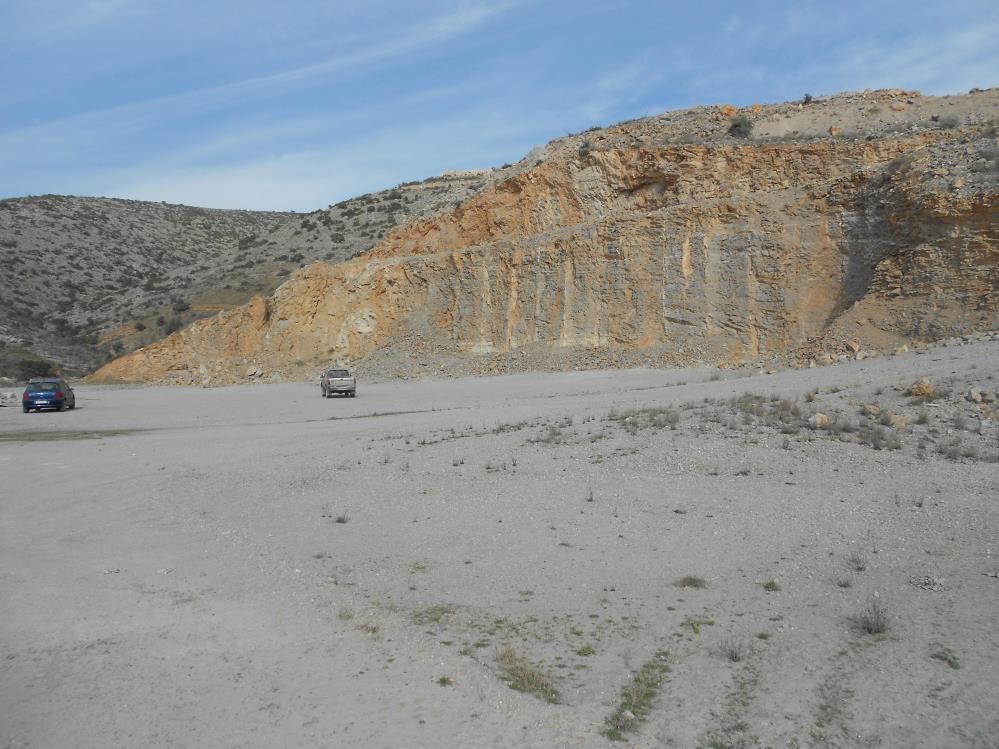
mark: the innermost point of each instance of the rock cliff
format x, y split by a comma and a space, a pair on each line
672, 239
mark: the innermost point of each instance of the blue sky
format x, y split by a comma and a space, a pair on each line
297, 105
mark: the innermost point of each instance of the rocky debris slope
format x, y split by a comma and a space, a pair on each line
94, 276
690, 237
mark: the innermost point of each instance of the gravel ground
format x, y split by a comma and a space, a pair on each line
646, 554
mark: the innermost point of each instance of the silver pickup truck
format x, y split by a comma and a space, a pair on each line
338, 381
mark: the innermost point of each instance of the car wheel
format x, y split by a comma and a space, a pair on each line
26, 409
62, 406
353, 393
72, 405
324, 392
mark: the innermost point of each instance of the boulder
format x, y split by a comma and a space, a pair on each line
872, 409
921, 388
818, 421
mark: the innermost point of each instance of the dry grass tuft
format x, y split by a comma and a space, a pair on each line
524, 676
874, 619
732, 650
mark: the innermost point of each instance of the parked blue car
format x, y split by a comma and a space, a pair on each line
48, 392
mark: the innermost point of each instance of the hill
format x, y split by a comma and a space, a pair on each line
812, 229
92, 277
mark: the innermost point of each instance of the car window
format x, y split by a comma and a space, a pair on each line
46, 386
337, 373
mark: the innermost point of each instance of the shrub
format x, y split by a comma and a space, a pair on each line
740, 126
140, 326
873, 620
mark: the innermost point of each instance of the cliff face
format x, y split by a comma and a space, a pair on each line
718, 251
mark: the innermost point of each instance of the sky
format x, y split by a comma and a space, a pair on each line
296, 105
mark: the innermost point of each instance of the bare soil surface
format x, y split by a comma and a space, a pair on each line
685, 558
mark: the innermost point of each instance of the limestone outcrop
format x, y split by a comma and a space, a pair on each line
722, 251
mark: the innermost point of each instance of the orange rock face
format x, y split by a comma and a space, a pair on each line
717, 252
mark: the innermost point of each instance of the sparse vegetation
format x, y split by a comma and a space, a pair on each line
524, 676
874, 618
945, 654
732, 650
637, 697
345, 613
432, 615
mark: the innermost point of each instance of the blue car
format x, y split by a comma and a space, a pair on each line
48, 392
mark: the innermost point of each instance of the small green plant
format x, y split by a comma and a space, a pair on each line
343, 519
586, 650
445, 681
696, 624
524, 676
771, 586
